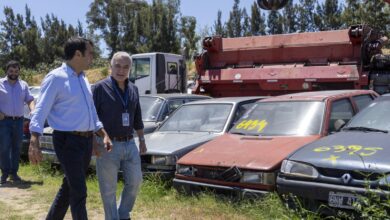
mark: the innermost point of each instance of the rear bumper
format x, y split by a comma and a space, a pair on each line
194, 187
51, 157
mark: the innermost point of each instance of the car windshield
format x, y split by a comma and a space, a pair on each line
150, 107
199, 117
295, 118
374, 116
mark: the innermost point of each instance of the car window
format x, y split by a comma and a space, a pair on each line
201, 117
150, 107
292, 118
362, 101
174, 104
341, 112
241, 109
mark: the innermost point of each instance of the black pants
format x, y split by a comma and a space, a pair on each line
74, 153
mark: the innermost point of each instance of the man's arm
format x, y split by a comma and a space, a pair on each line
31, 106
141, 138
41, 111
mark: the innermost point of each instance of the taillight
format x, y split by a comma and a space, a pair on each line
26, 125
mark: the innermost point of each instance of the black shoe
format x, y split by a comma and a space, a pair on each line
15, 178
3, 179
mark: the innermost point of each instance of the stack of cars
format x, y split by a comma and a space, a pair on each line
188, 127
246, 161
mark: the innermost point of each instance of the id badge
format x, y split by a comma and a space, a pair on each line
125, 119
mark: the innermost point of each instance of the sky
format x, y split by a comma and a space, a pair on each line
70, 11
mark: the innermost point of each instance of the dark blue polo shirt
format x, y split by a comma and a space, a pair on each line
109, 107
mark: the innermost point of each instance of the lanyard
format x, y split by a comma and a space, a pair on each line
125, 99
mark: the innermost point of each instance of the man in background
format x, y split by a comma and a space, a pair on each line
14, 93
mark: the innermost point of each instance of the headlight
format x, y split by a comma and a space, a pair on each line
163, 160
298, 169
185, 170
258, 177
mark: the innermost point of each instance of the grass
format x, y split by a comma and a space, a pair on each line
156, 200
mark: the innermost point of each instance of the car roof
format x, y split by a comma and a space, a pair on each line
319, 95
231, 100
176, 95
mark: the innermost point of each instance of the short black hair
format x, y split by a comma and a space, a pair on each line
73, 44
12, 63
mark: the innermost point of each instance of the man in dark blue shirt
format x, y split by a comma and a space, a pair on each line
117, 105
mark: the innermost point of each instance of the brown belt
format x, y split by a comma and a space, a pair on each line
13, 117
86, 134
122, 139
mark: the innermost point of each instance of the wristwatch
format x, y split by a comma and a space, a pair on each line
141, 139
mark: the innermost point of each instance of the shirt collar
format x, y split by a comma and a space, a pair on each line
69, 70
116, 83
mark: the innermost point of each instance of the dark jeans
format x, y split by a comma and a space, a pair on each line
11, 135
74, 153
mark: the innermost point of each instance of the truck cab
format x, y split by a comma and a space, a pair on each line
157, 72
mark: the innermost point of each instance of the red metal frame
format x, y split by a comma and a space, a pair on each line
279, 64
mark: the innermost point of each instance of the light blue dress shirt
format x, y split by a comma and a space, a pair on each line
66, 101
13, 97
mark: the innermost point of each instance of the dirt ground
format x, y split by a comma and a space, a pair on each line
19, 198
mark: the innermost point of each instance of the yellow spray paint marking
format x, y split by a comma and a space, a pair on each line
333, 158
350, 149
252, 124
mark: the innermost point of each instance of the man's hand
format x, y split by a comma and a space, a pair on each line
34, 152
142, 147
107, 143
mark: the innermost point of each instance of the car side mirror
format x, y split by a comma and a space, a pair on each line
339, 124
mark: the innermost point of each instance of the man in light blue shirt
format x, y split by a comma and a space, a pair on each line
13, 94
66, 102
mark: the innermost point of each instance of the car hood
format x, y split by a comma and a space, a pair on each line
348, 150
260, 153
172, 142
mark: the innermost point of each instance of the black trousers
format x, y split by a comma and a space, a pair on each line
74, 154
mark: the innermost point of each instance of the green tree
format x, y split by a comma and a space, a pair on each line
328, 15
275, 23
219, 28
305, 11
257, 21
290, 24
234, 25
190, 38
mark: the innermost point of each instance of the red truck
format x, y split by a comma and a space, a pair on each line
286, 63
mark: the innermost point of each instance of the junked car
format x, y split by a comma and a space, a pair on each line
154, 108
188, 127
336, 170
245, 161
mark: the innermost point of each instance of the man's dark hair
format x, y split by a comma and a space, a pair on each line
12, 63
75, 43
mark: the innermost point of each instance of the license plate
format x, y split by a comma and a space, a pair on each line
342, 200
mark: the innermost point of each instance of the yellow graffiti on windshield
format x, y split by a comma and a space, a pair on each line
252, 124
350, 149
